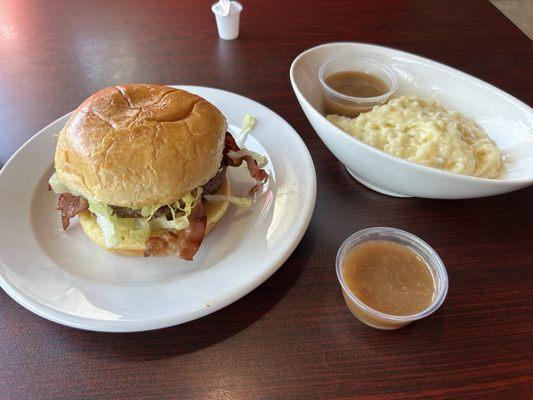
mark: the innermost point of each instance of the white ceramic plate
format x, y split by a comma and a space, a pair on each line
507, 120
66, 278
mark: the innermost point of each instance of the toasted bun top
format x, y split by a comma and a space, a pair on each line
137, 145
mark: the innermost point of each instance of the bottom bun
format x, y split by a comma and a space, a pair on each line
128, 246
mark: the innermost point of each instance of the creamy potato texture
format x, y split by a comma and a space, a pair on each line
423, 131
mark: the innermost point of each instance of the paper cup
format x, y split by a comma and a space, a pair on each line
228, 25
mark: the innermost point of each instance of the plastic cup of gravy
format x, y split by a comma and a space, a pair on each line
353, 84
390, 278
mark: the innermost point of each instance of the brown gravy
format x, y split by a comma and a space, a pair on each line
357, 84
388, 277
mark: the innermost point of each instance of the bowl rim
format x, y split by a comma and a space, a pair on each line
410, 164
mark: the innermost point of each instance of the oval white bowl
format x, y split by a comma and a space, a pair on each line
507, 120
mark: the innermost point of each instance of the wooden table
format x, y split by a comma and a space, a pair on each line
292, 337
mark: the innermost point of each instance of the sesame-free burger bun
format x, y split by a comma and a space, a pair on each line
138, 145
131, 247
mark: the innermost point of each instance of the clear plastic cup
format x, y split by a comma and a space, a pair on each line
228, 25
377, 319
350, 106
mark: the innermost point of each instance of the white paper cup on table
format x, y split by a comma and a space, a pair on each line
228, 24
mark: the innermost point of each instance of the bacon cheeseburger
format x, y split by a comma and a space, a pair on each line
144, 168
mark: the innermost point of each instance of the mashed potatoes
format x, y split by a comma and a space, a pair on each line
424, 132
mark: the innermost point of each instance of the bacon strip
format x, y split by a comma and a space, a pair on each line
70, 206
255, 188
230, 145
257, 173
184, 243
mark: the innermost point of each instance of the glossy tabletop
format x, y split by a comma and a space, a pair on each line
292, 337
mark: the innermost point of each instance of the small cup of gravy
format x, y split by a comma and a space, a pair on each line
353, 84
390, 278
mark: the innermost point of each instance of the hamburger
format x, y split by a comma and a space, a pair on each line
144, 168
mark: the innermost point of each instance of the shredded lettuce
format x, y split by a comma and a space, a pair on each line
108, 231
137, 228
149, 211
161, 223
187, 203
58, 186
248, 124
143, 228
110, 225
100, 209
123, 224
238, 201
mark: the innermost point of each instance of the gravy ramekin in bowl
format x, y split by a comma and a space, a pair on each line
377, 83
505, 119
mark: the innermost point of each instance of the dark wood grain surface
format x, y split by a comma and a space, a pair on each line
292, 337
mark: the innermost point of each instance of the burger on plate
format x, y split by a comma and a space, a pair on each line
144, 168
